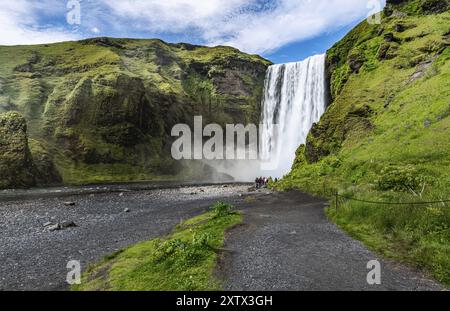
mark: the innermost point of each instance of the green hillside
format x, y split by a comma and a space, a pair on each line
102, 109
386, 135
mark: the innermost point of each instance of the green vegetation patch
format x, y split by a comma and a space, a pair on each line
183, 260
416, 234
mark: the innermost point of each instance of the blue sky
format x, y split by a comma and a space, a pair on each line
280, 30
303, 49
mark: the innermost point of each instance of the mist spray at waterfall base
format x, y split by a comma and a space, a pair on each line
294, 99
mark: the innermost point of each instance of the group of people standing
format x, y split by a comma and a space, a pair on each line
262, 182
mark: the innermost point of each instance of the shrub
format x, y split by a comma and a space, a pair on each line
169, 248
400, 178
181, 253
222, 209
329, 165
201, 240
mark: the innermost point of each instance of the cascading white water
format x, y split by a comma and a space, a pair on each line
294, 99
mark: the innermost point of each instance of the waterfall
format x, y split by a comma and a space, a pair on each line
294, 99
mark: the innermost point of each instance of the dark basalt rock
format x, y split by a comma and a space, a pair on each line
104, 41
416, 7
395, 2
356, 61
28, 66
360, 112
389, 37
399, 27
387, 51
24, 68
434, 6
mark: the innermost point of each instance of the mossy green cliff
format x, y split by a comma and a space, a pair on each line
386, 134
390, 91
19, 168
102, 109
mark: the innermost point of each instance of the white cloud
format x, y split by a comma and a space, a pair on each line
254, 26
174, 15
251, 25
19, 24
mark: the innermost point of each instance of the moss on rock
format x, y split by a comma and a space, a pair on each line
385, 96
105, 103
22, 165
16, 165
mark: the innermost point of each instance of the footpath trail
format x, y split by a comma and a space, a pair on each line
287, 243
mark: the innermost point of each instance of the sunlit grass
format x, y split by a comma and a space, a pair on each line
183, 260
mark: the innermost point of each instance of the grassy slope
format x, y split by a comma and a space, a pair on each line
385, 137
184, 260
104, 107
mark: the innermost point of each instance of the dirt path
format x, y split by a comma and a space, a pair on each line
287, 243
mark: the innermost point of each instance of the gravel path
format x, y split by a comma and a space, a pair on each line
33, 258
287, 243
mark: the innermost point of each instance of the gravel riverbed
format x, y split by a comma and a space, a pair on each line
34, 258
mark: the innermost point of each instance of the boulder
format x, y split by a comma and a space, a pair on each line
16, 163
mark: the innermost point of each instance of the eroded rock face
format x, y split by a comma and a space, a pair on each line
16, 164
20, 167
434, 6
104, 104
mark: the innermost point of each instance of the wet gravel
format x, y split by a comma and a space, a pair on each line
33, 258
287, 243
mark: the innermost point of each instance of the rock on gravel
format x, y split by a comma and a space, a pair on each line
54, 227
68, 224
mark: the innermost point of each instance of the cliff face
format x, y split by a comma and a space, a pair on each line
104, 108
389, 110
17, 166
